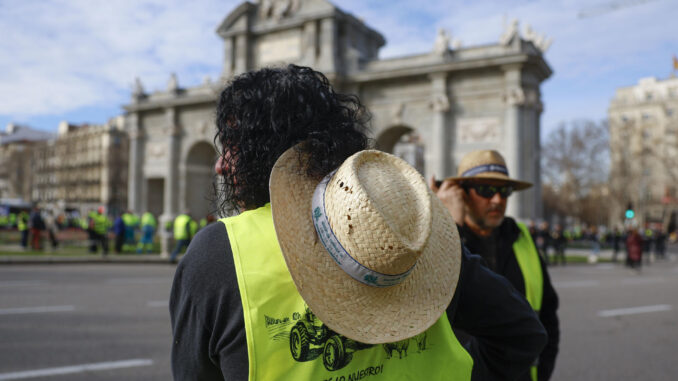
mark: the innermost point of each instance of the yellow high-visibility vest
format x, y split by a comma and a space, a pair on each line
528, 260
286, 341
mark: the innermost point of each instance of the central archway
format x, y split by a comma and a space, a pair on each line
404, 142
199, 177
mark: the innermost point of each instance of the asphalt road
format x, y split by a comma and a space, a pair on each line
105, 322
617, 324
110, 322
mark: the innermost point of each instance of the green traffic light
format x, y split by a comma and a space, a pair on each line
630, 214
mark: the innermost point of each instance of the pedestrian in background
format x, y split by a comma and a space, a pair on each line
37, 227
477, 199
148, 225
183, 231
634, 249
616, 243
559, 244
119, 233
660, 243
51, 227
22, 223
544, 241
98, 224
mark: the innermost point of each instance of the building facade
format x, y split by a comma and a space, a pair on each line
83, 168
16, 167
644, 151
453, 100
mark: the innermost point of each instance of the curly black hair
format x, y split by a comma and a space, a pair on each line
261, 114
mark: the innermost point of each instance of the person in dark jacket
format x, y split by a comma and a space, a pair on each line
119, 232
37, 227
477, 199
260, 116
634, 249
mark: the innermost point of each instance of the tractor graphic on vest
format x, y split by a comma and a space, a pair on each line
310, 338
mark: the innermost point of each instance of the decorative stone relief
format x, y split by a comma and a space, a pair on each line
173, 83
515, 96
397, 115
277, 9
440, 103
539, 40
478, 130
509, 33
156, 150
138, 91
201, 128
442, 43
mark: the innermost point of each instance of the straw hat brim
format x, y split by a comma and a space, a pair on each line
360, 312
517, 184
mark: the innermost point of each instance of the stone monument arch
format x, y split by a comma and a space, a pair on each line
455, 98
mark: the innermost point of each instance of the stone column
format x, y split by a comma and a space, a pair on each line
241, 54
170, 209
227, 70
438, 150
514, 98
326, 60
136, 161
309, 46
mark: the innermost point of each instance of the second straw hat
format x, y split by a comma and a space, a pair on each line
370, 248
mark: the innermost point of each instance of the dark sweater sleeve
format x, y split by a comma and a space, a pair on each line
549, 318
206, 313
506, 335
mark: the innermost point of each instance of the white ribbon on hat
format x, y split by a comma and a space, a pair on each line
334, 248
485, 168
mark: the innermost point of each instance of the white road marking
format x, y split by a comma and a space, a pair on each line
75, 369
21, 283
35, 310
138, 280
641, 280
576, 283
158, 303
635, 310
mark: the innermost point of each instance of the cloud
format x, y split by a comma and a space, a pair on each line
63, 55
71, 54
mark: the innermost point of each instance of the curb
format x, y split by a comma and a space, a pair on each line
51, 259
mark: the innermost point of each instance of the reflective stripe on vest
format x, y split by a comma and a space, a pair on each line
528, 260
285, 341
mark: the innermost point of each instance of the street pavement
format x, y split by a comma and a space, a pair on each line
617, 324
109, 321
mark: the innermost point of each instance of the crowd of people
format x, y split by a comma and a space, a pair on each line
629, 243
129, 232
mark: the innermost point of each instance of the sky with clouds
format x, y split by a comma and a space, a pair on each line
76, 60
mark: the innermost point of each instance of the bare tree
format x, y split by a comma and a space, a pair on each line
575, 168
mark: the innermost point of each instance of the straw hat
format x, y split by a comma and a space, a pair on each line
486, 164
393, 252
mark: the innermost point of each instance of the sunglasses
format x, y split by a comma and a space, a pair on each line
488, 191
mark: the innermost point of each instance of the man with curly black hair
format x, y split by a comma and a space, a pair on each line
217, 326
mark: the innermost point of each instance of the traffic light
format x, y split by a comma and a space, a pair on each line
629, 214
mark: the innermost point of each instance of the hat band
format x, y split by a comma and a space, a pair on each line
334, 248
485, 168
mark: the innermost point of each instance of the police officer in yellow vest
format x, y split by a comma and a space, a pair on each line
364, 284
148, 226
22, 226
477, 199
98, 225
184, 228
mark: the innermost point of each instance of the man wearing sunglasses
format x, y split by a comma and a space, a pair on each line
477, 199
